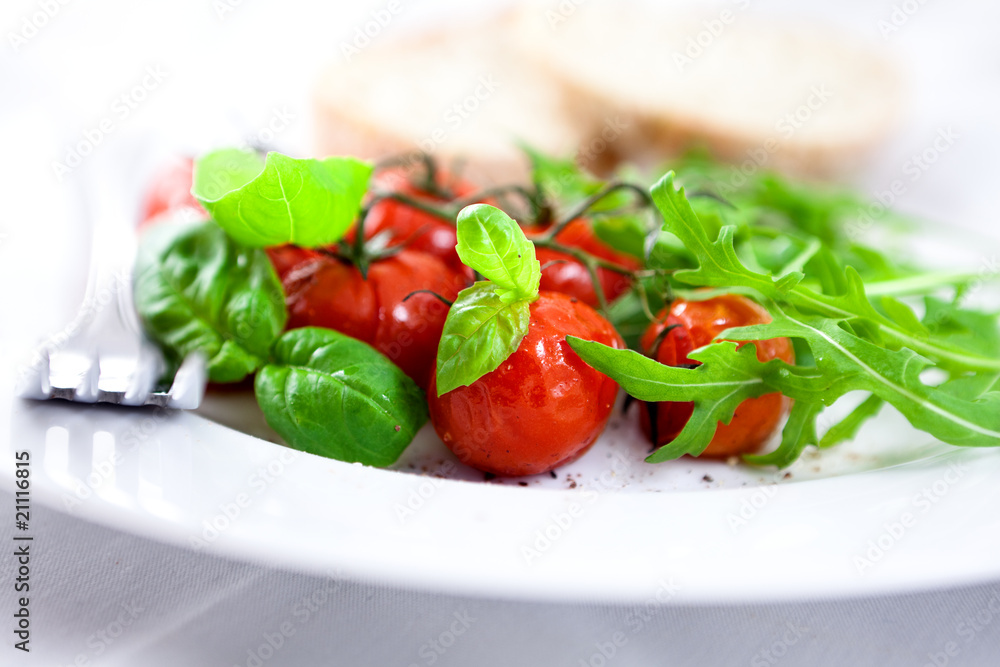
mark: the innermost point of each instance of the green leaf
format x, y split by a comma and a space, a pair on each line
903, 315
848, 428
197, 290
845, 362
725, 378
565, 183
628, 316
719, 266
331, 395
263, 203
624, 233
480, 333
490, 242
798, 433
968, 329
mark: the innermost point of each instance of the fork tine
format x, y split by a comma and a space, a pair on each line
102, 355
33, 378
87, 390
73, 374
189, 383
147, 370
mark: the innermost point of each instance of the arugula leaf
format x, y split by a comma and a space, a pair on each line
197, 290
625, 233
627, 315
768, 198
565, 183
263, 203
719, 266
725, 378
803, 270
970, 329
335, 396
490, 242
852, 423
481, 331
845, 362
799, 432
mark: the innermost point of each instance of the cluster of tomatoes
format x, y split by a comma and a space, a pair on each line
543, 406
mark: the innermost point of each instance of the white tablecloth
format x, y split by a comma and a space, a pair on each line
110, 599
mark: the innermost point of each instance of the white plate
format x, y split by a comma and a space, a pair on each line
894, 511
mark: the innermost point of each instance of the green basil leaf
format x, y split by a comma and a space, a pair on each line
218, 173
331, 395
280, 200
197, 290
480, 333
490, 242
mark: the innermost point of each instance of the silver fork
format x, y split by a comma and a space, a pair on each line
103, 356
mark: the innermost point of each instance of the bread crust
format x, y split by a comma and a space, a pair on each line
609, 127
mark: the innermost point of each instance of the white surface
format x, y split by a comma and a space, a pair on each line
625, 526
198, 610
221, 86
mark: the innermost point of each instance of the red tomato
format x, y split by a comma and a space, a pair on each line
542, 407
327, 292
418, 229
570, 276
286, 257
170, 192
696, 324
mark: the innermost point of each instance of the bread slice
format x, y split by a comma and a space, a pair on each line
755, 91
458, 92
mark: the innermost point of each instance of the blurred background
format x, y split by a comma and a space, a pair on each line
79, 78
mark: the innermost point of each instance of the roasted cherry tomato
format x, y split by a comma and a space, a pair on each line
285, 258
542, 407
170, 192
569, 276
695, 324
328, 292
418, 229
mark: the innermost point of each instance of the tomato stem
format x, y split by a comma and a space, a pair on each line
581, 255
712, 195
654, 349
540, 210
432, 293
419, 203
584, 206
640, 288
429, 183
